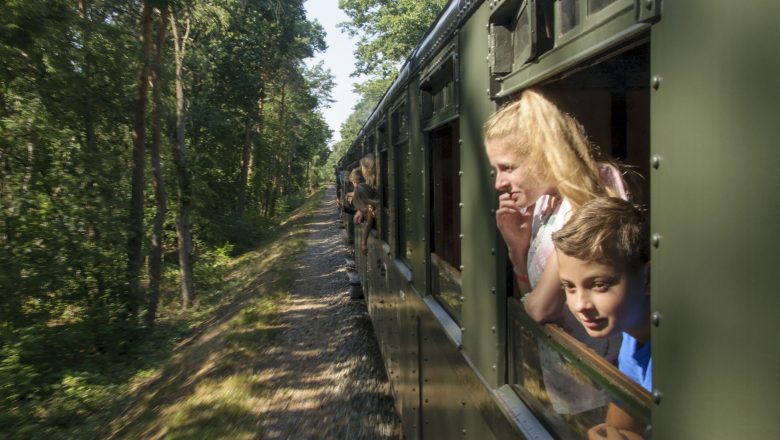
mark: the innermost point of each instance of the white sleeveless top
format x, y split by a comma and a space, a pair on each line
542, 228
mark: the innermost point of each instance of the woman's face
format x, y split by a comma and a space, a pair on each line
513, 175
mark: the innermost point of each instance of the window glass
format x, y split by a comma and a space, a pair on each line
521, 38
597, 5
384, 185
568, 385
569, 15
399, 138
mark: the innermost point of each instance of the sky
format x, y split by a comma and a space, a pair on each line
339, 58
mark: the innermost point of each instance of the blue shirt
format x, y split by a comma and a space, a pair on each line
636, 362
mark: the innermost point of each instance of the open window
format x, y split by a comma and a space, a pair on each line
399, 138
566, 382
440, 121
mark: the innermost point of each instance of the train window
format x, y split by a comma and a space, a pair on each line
439, 90
520, 31
445, 216
566, 383
399, 135
569, 384
384, 184
568, 15
597, 5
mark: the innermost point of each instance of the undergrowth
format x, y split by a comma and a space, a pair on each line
165, 381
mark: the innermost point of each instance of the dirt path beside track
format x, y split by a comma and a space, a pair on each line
323, 373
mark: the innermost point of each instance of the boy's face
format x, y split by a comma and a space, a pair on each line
607, 300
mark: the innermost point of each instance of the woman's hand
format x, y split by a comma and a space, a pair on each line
514, 224
358, 218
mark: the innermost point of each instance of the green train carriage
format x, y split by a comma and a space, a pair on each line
685, 91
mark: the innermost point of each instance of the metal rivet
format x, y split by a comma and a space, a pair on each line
656, 240
656, 318
462, 298
657, 394
493, 329
460, 205
492, 251
492, 212
464, 432
493, 290
463, 329
656, 82
460, 141
492, 173
461, 267
494, 366
487, 92
655, 161
460, 172
461, 236
649, 4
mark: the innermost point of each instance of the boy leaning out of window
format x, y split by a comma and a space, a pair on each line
603, 264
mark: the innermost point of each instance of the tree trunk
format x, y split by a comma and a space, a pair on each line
89, 119
158, 237
182, 175
246, 160
136, 221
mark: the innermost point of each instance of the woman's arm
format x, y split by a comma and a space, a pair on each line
545, 303
366, 230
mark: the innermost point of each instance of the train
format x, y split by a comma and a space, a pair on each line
685, 92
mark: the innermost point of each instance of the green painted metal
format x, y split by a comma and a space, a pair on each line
714, 273
478, 198
711, 128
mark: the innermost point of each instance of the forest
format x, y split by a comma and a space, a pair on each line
144, 146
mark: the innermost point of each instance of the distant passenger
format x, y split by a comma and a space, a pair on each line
545, 169
603, 265
368, 167
366, 202
355, 178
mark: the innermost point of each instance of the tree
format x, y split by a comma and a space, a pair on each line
388, 30
179, 150
158, 237
136, 219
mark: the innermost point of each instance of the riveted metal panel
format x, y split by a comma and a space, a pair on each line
417, 204
714, 130
480, 310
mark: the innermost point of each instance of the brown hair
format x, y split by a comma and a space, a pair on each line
365, 197
355, 175
553, 143
368, 166
608, 230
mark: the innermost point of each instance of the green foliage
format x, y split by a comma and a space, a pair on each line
68, 82
387, 30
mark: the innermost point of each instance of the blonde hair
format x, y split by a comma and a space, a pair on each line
607, 230
364, 197
553, 143
355, 175
368, 166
